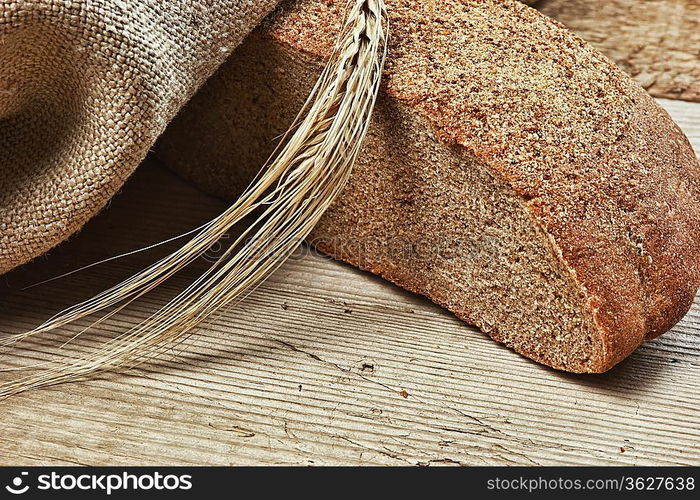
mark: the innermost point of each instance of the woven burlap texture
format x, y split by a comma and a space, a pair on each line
85, 89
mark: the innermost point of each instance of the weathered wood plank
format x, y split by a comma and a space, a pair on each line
655, 41
687, 116
325, 364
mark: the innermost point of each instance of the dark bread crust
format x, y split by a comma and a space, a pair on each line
603, 168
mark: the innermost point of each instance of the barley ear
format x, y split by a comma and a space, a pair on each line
292, 191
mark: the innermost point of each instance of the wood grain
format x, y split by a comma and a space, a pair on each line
325, 364
655, 41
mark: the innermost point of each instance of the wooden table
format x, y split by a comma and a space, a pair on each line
325, 364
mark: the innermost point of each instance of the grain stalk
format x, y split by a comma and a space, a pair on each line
293, 190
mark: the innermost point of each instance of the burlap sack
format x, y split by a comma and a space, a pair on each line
85, 89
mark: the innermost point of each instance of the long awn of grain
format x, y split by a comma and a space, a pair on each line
295, 187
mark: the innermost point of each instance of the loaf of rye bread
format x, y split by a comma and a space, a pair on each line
511, 174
